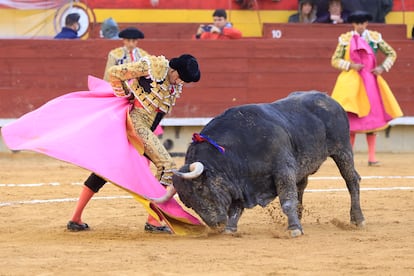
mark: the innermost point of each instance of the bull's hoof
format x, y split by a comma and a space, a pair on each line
233, 234
230, 230
295, 233
360, 224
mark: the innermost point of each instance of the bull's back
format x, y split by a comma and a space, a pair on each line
325, 111
318, 114
301, 118
318, 104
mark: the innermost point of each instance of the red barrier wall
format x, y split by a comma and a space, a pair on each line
233, 72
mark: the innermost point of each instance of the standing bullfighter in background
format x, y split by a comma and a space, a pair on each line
360, 88
251, 154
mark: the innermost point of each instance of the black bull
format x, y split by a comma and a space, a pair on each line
270, 150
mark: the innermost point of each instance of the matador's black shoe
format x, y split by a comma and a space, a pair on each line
374, 163
75, 227
157, 229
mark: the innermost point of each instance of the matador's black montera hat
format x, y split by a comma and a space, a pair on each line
187, 67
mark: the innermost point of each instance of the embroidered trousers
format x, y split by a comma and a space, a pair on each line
153, 149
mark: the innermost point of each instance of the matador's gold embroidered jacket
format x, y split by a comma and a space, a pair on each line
149, 83
121, 55
340, 59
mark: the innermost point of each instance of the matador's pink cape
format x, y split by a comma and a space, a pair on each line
88, 129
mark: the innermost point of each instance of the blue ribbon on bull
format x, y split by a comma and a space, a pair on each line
198, 138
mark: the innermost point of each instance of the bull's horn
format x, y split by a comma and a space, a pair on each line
196, 169
168, 195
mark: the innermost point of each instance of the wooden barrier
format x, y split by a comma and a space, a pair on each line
233, 72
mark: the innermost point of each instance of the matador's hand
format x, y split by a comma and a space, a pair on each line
131, 98
356, 66
378, 70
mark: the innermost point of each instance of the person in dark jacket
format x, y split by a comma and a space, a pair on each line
378, 9
335, 13
71, 28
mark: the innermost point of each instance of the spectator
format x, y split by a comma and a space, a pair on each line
306, 12
71, 28
221, 29
360, 88
109, 29
128, 52
347, 5
246, 4
335, 14
377, 8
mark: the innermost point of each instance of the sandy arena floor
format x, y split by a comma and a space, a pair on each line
34, 240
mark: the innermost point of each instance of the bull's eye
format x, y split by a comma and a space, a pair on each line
199, 188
